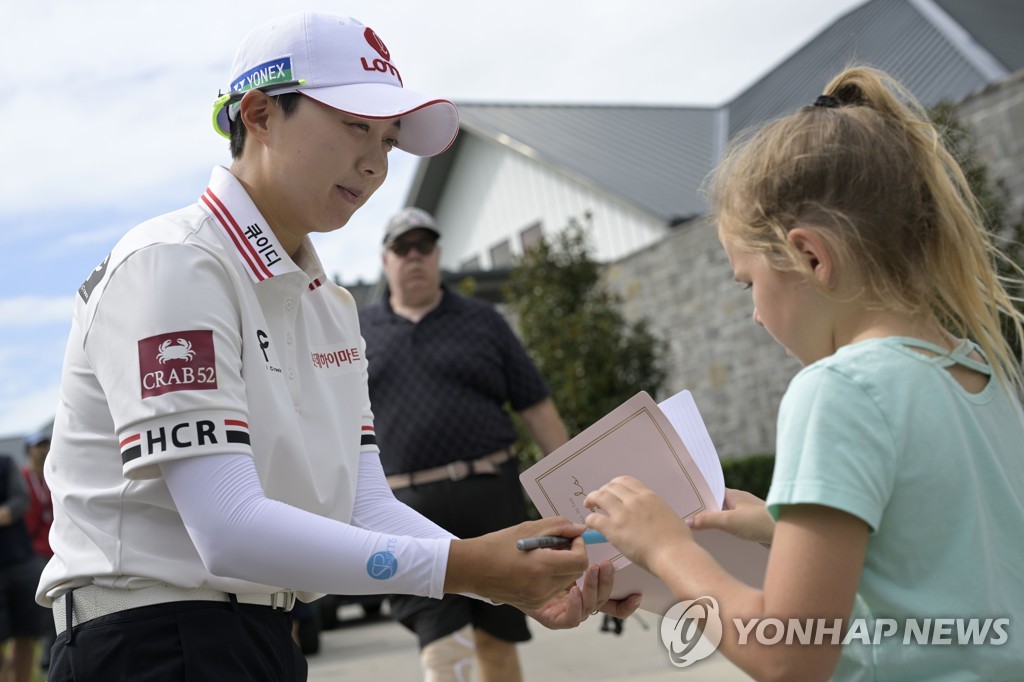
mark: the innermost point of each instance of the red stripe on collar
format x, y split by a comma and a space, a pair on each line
245, 249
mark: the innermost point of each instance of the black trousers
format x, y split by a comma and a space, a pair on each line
468, 508
197, 641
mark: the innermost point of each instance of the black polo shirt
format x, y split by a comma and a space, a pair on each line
438, 386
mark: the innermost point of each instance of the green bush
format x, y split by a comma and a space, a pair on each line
573, 326
752, 473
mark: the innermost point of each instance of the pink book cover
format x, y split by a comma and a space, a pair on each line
639, 439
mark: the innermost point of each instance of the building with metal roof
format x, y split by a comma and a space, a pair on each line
517, 170
520, 171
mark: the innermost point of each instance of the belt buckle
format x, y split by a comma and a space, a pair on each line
457, 472
287, 598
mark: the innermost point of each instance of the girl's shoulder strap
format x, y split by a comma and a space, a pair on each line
961, 355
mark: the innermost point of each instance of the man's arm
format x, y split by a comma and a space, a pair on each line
545, 425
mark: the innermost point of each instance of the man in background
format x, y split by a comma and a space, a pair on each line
38, 519
21, 619
441, 369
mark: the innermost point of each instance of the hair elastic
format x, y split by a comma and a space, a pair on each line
827, 101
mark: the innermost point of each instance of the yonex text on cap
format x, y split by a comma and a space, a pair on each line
343, 64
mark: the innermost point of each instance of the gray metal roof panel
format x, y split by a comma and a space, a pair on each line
652, 157
998, 25
894, 35
889, 34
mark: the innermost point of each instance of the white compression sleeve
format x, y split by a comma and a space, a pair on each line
376, 507
239, 532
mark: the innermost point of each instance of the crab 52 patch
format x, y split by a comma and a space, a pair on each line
177, 361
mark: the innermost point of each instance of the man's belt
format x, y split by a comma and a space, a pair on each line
93, 601
454, 471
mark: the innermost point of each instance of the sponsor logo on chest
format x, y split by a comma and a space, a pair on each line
335, 358
263, 341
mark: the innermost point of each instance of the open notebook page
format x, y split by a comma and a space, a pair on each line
682, 413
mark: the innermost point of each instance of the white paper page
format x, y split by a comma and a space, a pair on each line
683, 414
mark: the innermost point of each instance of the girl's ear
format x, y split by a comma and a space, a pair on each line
815, 253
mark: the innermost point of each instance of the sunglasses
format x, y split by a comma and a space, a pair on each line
237, 95
424, 246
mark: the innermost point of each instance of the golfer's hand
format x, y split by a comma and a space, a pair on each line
575, 605
492, 567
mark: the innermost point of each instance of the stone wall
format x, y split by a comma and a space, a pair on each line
737, 373
996, 118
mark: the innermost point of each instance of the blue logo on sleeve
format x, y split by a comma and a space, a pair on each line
382, 565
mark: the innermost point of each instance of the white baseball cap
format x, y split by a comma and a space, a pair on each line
341, 63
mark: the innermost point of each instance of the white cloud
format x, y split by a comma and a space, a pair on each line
106, 235
30, 365
25, 312
29, 411
118, 105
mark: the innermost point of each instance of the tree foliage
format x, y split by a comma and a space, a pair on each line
994, 198
571, 323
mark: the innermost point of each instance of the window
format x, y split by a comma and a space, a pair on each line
501, 255
530, 236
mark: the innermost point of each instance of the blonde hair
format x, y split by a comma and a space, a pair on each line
867, 168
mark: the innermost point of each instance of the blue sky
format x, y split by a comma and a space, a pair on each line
106, 114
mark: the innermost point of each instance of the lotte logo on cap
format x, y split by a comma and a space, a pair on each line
376, 43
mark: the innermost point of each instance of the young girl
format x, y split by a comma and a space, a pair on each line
898, 493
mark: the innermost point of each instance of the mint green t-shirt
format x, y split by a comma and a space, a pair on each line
885, 433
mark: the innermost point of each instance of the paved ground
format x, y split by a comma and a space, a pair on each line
383, 650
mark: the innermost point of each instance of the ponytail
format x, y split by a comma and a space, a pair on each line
866, 165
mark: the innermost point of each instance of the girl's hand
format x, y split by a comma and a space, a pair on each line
634, 519
744, 516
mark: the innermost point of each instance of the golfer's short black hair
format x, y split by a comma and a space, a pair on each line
288, 102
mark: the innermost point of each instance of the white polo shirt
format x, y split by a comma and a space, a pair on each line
199, 335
